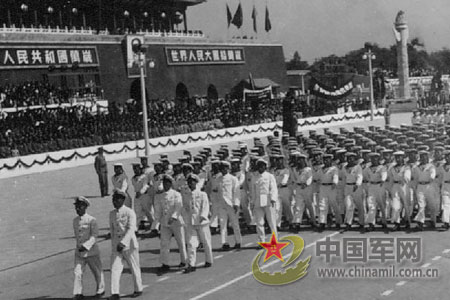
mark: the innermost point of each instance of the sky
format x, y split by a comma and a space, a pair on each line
318, 28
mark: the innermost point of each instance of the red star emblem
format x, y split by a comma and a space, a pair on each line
273, 248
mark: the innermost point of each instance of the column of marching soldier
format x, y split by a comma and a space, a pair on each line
395, 174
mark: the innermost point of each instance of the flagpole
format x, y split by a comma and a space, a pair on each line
228, 25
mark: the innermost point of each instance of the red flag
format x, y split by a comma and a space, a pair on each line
254, 14
268, 25
229, 15
238, 18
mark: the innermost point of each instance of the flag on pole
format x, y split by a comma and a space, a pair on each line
229, 16
268, 25
254, 15
238, 18
252, 82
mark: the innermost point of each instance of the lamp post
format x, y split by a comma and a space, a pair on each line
24, 10
369, 56
137, 48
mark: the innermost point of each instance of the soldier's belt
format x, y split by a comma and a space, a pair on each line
446, 181
424, 182
376, 182
350, 183
327, 184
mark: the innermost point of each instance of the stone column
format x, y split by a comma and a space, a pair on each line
401, 36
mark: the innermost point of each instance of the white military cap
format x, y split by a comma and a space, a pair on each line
82, 199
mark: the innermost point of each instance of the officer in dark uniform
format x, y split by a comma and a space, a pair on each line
101, 168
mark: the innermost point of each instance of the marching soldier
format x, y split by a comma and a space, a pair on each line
120, 183
340, 189
329, 178
168, 207
86, 231
177, 177
353, 192
282, 175
264, 195
125, 246
400, 177
444, 176
229, 193
212, 189
302, 177
197, 222
426, 194
142, 198
146, 169
375, 176
156, 188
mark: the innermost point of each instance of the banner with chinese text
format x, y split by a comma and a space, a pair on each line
204, 55
17, 57
258, 95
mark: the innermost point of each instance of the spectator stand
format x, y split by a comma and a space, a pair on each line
17, 166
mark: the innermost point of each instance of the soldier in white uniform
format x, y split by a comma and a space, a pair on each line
120, 183
142, 205
329, 178
426, 194
197, 224
168, 208
146, 169
264, 196
285, 193
376, 175
85, 229
236, 171
353, 192
125, 247
444, 177
212, 189
302, 178
400, 178
229, 202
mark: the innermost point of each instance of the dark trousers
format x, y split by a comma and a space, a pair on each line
103, 181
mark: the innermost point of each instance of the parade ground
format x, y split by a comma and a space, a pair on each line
38, 250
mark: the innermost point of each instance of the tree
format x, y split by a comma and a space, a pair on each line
296, 63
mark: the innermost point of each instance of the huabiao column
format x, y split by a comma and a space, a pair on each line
401, 36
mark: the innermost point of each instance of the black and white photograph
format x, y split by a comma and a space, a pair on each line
225, 149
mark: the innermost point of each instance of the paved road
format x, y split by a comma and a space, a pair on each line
38, 243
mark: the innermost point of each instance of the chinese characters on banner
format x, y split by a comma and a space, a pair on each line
39, 57
204, 55
258, 95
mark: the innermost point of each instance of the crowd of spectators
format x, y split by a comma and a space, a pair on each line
43, 130
31, 93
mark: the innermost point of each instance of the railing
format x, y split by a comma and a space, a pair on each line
90, 31
47, 30
175, 34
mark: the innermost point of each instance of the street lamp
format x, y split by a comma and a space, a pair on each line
136, 46
369, 56
24, 9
